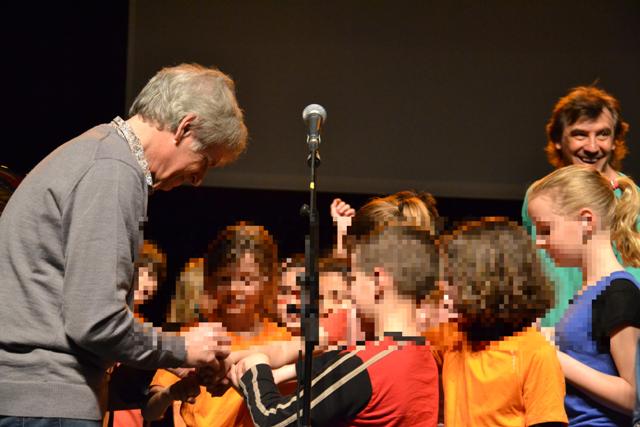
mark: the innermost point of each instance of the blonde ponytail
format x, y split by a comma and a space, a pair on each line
624, 231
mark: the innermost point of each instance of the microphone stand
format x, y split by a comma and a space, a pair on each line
310, 292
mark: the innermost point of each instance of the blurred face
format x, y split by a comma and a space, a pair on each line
147, 286
333, 291
362, 288
433, 312
289, 297
589, 142
559, 235
185, 166
239, 289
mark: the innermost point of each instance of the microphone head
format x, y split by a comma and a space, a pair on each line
314, 109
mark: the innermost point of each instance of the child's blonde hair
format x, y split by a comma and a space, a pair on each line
575, 187
406, 207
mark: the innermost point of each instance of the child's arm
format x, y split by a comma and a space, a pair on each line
341, 213
161, 398
284, 373
344, 390
617, 393
279, 353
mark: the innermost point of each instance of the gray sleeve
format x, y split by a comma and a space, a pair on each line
101, 225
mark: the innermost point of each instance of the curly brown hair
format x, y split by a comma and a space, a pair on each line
585, 102
497, 284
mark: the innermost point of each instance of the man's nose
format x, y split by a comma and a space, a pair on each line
592, 144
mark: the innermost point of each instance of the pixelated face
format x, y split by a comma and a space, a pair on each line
559, 235
147, 286
589, 142
239, 289
185, 166
362, 289
432, 312
333, 291
288, 299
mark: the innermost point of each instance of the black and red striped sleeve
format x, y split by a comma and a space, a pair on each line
341, 388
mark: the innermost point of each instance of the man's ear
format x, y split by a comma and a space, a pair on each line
184, 128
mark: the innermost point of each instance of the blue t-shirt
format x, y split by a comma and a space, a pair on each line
575, 337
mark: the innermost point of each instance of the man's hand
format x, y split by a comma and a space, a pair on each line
207, 344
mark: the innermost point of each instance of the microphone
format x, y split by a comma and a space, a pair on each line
314, 116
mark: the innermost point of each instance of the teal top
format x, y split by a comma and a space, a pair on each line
567, 280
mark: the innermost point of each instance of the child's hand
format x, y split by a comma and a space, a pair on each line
240, 368
340, 210
214, 378
185, 390
342, 213
180, 372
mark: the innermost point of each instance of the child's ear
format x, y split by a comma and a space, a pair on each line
383, 280
587, 223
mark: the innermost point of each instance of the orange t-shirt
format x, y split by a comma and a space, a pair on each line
514, 382
229, 409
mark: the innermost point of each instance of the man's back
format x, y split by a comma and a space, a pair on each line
43, 227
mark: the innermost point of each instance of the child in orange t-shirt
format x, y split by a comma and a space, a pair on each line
501, 371
240, 270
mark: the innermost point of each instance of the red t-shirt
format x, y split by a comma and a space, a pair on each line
392, 383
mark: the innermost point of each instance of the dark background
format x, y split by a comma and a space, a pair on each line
449, 96
446, 97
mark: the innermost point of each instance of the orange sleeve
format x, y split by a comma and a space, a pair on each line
163, 378
543, 387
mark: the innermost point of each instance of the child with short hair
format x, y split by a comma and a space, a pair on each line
577, 219
391, 382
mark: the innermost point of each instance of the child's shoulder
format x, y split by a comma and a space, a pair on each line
391, 343
529, 344
529, 339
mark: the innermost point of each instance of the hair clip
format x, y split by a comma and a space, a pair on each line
614, 184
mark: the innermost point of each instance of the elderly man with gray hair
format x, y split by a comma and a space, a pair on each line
70, 234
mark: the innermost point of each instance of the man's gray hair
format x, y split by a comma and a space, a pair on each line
177, 91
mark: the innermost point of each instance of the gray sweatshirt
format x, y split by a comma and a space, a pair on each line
68, 239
